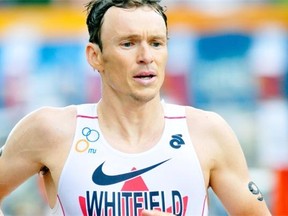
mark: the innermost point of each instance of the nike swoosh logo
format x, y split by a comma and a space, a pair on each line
100, 178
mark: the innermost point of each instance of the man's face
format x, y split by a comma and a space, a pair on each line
134, 53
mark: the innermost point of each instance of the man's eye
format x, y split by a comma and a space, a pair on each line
156, 44
126, 44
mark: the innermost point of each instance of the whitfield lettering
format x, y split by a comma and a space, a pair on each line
103, 203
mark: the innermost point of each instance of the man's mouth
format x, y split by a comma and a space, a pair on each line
144, 77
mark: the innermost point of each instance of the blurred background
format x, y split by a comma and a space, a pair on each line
227, 56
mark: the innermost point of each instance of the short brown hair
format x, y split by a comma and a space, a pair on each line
96, 10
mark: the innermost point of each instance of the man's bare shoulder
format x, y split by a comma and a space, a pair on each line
54, 114
45, 124
213, 124
211, 132
204, 119
50, 117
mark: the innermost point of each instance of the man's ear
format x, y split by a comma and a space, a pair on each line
94, 56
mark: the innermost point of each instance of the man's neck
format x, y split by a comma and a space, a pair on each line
137, 126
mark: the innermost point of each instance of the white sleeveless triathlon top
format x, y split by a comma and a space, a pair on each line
98, 180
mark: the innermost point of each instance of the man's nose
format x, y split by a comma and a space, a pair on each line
145, 54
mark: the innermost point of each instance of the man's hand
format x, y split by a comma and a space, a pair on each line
154, 213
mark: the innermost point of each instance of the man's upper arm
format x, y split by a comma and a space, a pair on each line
20, 159
229, 177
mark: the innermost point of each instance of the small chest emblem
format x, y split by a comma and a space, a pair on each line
88, 143
176, 141
90, 134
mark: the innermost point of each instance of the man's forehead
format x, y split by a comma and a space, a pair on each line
122, 19
130, 14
